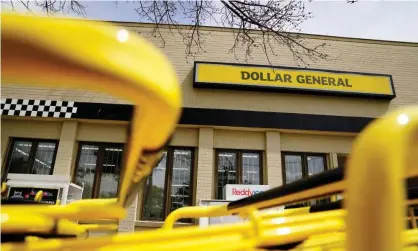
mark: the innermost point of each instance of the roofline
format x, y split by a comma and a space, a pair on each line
224, 29
306, 35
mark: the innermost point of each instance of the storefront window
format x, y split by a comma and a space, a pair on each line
297, 166
316, 164
169, 187
98, 168
251, 168
154, 191
237, 167
301, 165
293, 168
31, 156
342, 159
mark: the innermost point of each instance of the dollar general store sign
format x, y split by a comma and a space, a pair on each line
296, 80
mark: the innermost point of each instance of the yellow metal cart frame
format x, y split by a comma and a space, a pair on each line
93, 56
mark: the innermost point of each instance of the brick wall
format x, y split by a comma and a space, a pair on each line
66, 148
398, 59
128, 223
204, 187
273, 159
333, 161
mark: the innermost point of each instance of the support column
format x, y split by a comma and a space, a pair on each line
204, 186
128, 224
333, 161
65, 151
273, 159
333, 165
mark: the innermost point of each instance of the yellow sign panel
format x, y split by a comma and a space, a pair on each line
293, 79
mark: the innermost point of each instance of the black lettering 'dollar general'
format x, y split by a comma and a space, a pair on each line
317, 80
266, 76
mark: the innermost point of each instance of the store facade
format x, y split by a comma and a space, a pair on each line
241, 124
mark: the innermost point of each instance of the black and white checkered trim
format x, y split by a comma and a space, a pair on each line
37, 108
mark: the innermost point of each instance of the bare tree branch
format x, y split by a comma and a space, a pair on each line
163, 13
258, 24
25, 4
269, 25
277, 24
50, 7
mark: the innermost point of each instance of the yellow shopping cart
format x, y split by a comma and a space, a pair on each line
93, 57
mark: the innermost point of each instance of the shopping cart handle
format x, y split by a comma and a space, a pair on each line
322, 207
411, 195
314, 181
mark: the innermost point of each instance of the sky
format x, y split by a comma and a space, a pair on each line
383, 20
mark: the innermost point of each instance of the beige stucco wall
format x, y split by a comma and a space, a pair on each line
185, 137
239, 139
316, 143
99, 132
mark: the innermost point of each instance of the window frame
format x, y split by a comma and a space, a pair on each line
35, 142
99, 163
239, 153
168, 182
346, 156
304, 157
